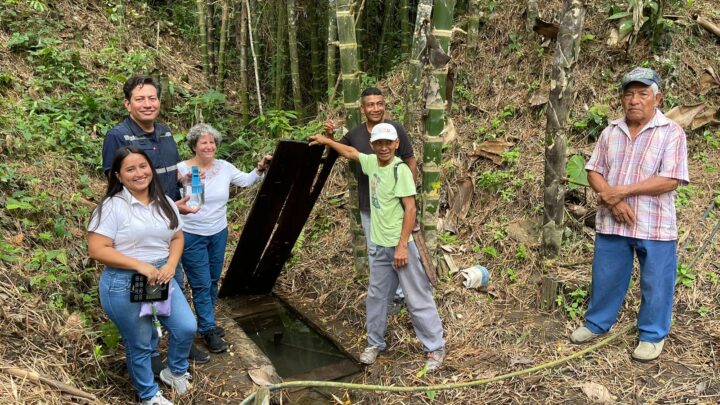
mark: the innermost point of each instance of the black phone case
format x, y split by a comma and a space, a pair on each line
141, 292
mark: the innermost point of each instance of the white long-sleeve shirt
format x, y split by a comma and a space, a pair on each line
212, 216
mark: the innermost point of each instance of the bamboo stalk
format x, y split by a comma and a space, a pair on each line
293, 52
203, 37
412, 106
241, 44
279, 82
442, 17
38, 379
405, 28
315, 66
351, 93
223, 41
210, 24
331, 45
561, 96
388, 7
708, 25
254, 55
473, 32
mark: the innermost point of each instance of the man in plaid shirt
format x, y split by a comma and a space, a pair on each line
638, 162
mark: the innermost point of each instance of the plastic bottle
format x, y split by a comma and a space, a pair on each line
196, 189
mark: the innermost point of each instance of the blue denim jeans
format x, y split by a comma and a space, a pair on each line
203, 259
612, 268
137, 332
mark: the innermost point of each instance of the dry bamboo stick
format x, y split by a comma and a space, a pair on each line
705, 23
37, 378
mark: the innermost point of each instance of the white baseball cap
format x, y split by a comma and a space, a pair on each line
383, 131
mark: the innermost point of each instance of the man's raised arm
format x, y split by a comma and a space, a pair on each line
344, 150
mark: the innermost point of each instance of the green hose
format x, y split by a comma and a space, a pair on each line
367, 387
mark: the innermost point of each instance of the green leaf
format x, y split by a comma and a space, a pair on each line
13, 204
431, 394
422, 372
576, 172
110, 334
626, 26
620, 15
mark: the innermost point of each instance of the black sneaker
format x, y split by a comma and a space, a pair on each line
214, 341
157, 365
220, 331
198, 356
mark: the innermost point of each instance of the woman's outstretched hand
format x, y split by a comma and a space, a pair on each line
264, 163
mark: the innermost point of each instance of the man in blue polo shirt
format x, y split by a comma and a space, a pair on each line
142, 100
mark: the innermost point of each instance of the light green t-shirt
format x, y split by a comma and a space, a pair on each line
386, 211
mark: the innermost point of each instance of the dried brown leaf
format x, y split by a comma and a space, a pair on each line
492, 150
538, 99
684, 114
596, 393
449, 133
709, 116
263, 375
708, 80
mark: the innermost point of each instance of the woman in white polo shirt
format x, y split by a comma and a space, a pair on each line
206, 230
137, 229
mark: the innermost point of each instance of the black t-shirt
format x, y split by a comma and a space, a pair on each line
359, 138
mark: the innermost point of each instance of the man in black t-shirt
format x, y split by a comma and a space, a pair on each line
372, 105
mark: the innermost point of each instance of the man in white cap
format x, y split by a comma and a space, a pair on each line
396, 259
638, 162
372, 106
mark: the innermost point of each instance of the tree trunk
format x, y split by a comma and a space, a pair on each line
381, 65
223, 41
405, 27
202, 18
351, 94
442, 18
561, 95
242, 44
293, 51
424, 11
331, 46
471, 45
210, 24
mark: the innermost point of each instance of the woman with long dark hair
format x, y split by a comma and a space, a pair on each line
137, 229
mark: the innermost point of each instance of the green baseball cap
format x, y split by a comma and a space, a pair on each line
642, 75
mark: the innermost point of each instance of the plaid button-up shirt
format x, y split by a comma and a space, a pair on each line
660, 149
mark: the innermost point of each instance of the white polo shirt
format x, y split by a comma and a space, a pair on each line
212, 216
139, 231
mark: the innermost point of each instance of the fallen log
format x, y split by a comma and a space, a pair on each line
38, 379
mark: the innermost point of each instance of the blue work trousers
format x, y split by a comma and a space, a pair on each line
612, 268
203, 258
